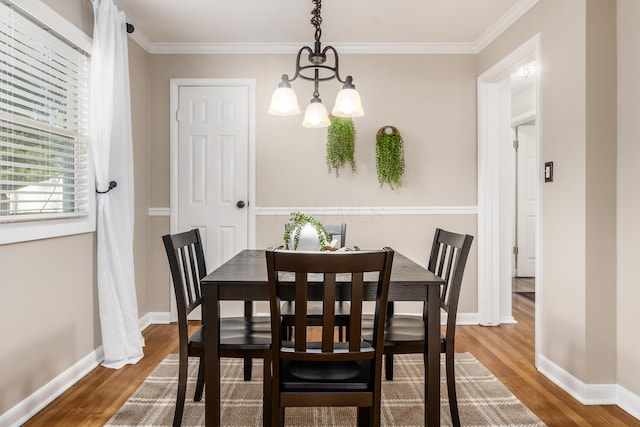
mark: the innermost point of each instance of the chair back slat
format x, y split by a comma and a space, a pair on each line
301, 293
187, 268
329, 315
355, 327
196, 271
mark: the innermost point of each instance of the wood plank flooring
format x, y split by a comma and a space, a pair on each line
506, 350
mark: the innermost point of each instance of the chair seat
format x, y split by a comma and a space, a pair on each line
325, 376
248, 332
399, 328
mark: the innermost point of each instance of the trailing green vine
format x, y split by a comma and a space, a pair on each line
297, 220
389, 156
341, 136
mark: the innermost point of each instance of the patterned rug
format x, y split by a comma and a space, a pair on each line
482, 399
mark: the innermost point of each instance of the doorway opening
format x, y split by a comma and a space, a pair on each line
497, 185
525, 196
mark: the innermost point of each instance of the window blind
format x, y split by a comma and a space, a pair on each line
43, 122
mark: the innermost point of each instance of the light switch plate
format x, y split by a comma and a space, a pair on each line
548, 172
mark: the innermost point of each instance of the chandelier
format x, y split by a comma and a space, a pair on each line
284, 101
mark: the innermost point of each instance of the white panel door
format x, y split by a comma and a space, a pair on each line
213, 150
527, 201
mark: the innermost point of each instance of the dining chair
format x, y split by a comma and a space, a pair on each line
328, 372
240, 337
404, 334
314, 310
337, 230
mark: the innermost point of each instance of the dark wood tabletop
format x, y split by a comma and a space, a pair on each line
244, 278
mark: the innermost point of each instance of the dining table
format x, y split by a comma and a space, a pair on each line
244, 278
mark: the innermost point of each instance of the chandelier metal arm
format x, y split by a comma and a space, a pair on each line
335, 68
298, 67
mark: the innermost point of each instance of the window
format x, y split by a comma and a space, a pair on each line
44, 163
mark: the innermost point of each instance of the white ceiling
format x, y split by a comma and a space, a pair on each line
457, 25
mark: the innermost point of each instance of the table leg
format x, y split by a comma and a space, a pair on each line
210, 312
432, 359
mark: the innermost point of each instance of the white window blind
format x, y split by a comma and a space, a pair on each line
43, 122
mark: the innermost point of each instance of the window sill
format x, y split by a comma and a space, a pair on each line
36, 230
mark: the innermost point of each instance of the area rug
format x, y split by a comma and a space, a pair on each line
482, 399
528, 295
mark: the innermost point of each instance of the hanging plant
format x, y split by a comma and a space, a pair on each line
389, 156
341, 137
297, 223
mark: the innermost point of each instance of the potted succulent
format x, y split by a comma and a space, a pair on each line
305, 233
389, 156
341, 137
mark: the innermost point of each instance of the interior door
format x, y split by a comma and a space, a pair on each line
527, 199
213, 150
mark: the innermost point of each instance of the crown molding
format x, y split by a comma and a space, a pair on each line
142, 40
501, 25
377, 48
292, 48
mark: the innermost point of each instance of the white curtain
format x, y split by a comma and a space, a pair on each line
113, 159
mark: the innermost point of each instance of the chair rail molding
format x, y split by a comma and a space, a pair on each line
368, 210
159, 211
350, 210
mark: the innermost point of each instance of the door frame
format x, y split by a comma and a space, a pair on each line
174, 92
494, 198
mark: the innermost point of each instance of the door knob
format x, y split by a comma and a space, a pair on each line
240, 204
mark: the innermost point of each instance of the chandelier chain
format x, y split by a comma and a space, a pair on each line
316, 20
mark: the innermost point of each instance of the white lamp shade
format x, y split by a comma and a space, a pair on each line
284, 102
348, 104
315, 116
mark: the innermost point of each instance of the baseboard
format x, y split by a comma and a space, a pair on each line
507, 319
590, 394
30, 406
154, 318
464, 319
629, 402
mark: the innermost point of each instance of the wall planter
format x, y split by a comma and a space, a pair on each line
341, 137
389, 156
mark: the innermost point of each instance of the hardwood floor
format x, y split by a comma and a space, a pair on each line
506, 350
523, 284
